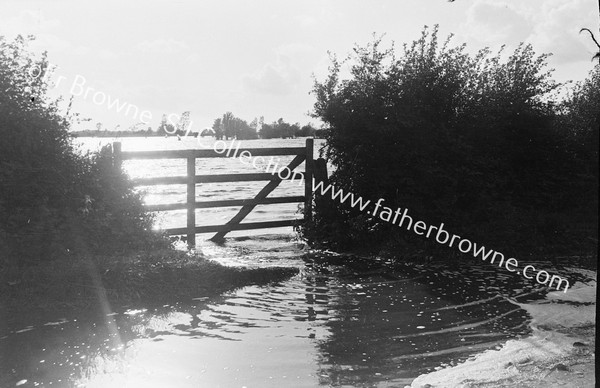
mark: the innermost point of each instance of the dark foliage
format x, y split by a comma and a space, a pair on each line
473, 141
52, 199
230, 127
282, 129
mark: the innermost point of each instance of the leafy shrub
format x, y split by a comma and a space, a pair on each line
52, 199
468, 140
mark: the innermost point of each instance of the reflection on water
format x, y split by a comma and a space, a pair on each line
390, 327
209, 191
361, 325
327, 326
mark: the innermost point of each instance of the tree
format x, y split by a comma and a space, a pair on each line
52, 199
593, 37
580, 117
267, 131
294, 129
217, 127
165, 128
245, 131
462, 139
278, 129
228, 122
305, 131
136, 127
254, 124
231, 126
183, 123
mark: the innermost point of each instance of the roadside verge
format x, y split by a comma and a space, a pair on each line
560, 351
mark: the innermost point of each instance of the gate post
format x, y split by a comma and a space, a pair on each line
191, 201
308, 176
117, 158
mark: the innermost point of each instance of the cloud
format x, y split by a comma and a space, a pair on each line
85, 51
306, 20
291, 68
106, 54
275, 79
29, 22
193, 58
557, 30
551, 26
494, 23
164, 46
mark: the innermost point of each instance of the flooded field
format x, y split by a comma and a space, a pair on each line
360, 324
164, 194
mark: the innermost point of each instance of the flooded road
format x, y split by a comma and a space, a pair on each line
360, 326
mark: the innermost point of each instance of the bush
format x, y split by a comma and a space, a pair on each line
468, 140
580, 117
52, 199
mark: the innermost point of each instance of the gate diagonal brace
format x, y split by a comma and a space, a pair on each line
246, 209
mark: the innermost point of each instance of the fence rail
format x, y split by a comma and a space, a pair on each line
302, 154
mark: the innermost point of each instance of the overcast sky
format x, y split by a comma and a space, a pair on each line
257, 58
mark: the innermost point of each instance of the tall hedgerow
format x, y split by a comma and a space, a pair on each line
53, 200
468, 140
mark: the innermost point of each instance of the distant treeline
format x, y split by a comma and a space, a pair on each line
147, 133
167, 127
228, 126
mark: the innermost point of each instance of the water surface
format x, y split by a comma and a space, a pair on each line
363, 325
327, 326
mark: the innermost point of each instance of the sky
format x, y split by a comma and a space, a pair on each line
259, 58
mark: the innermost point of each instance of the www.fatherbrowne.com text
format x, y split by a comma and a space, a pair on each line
398, 217
401, 218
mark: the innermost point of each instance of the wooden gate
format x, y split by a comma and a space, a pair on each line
301, 154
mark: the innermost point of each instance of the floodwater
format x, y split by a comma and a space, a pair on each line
360, 326
211, 191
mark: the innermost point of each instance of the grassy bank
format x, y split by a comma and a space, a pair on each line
81, 284
559, 352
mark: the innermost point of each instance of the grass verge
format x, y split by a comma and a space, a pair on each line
82, 284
